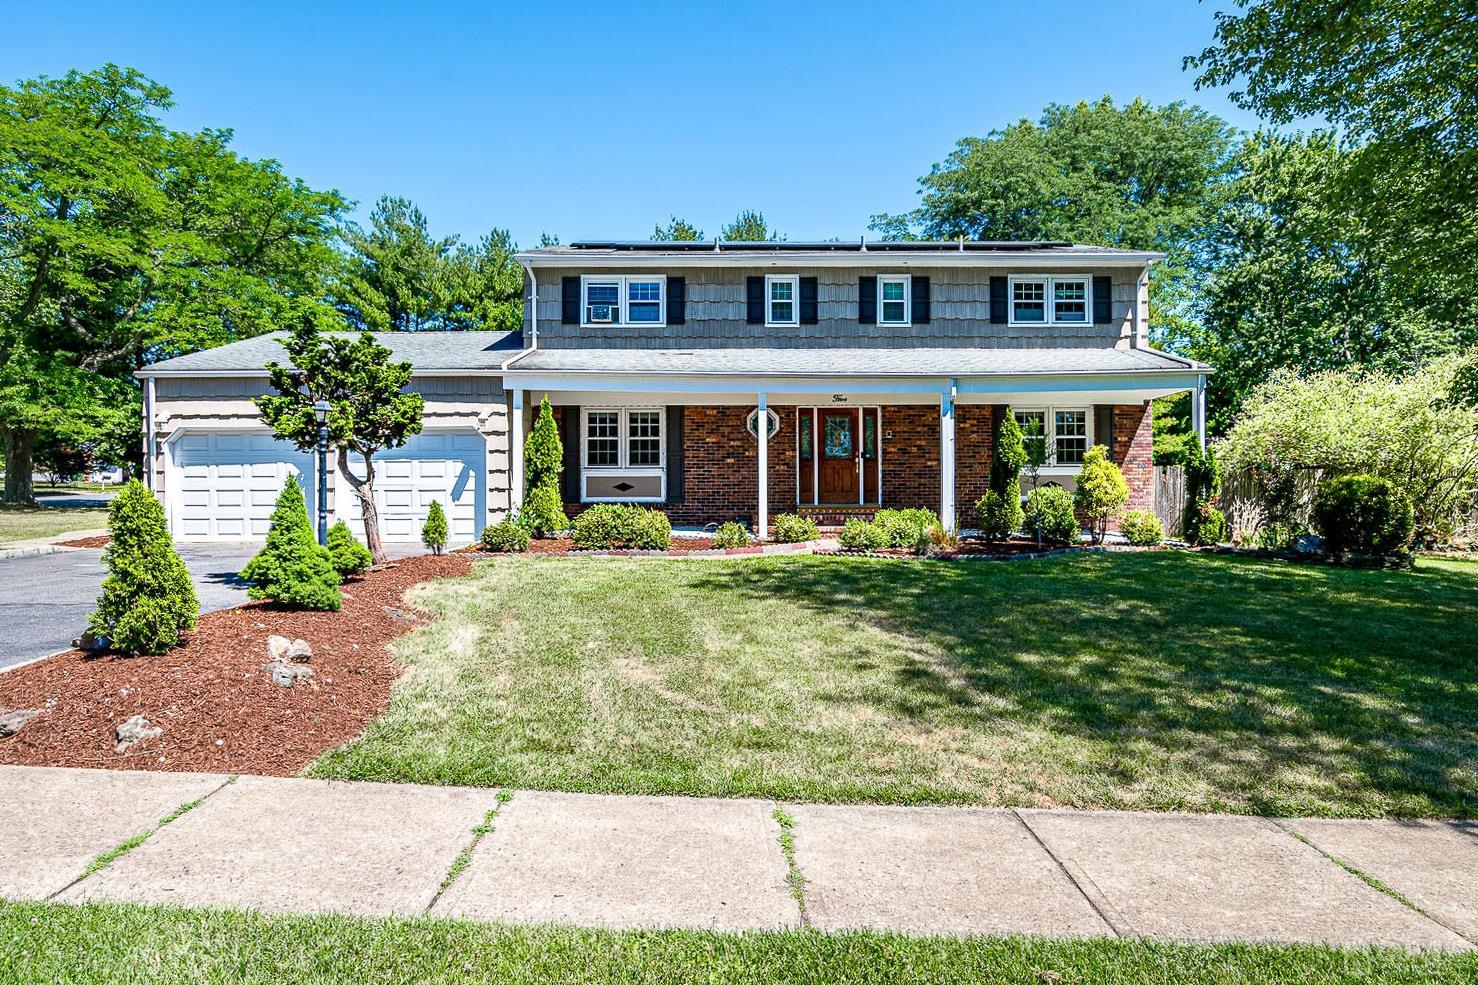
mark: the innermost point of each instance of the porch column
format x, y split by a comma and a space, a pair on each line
515, 442
762, 430
1198, 411
947, 456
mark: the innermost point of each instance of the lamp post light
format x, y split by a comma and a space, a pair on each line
320, 413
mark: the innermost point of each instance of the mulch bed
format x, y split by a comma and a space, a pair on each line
99, 541
220, 711
564, 545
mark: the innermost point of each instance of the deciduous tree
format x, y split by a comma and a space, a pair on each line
677, 231
750, 226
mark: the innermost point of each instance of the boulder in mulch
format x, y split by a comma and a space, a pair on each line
286, 675
12, 722
136, 729
299, 652
277, 647
91, 643
282, 650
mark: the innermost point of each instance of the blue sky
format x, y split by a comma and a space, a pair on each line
595, 120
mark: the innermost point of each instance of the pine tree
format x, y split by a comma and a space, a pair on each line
433, 531
542, 512
292, 568
148, 599
349, 555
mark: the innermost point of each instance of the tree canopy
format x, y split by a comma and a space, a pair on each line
750, 226
676, 231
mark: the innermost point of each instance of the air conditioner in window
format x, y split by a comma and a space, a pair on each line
600, 313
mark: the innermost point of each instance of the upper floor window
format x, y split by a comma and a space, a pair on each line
1049, 300
781, 296
894, 299
624, 300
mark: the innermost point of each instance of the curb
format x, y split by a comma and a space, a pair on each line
38, 551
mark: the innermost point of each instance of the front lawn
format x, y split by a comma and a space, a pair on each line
1150, 680
30, 522
48, 942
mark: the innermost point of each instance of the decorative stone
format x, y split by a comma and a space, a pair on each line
286, 675
90, 643
277, 647
1309, 544
299, 652
11, 722
136, 729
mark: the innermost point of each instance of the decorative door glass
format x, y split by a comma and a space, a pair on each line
837, 436
806, 435
869, 434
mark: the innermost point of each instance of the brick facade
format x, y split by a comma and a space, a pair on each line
911, 456
975, 438
1133, 450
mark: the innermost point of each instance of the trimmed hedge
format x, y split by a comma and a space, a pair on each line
792, 528
730, 535
1362, 514
908, 528
148, 599
996, 515
612, 526
1142, 528
1050, 513
860, 535
505, 537
349, 556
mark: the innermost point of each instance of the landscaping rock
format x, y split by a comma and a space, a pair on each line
286, 675
277, 647
11, 722
136, 729
89, 643
299, 652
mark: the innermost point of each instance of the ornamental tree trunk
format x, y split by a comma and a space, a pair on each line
18, 464
364, 491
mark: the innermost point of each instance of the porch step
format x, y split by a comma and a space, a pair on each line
831, 518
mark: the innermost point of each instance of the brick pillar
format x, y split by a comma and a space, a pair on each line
1134, 447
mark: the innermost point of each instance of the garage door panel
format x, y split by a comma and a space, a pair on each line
437, 467
229, 483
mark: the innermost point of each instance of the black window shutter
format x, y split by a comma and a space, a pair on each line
569, 306
754, 300
809, 315
920, 300
998, 300
677, 300
569, 437
1103, 306
1103, 427
675, 454
867, 300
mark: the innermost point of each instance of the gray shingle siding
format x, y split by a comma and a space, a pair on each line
960, 309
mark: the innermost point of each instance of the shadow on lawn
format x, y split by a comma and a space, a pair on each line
1262, 679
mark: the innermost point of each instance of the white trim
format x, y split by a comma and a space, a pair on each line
515, 448
860, 447
623, 300
623, 468
762, 519
947, 456
907, 281
1049, 300
1049, 430
794, 280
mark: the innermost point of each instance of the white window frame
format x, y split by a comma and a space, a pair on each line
623, 467
1049, 300
1049, 430
623, 300
794, 281
907, 281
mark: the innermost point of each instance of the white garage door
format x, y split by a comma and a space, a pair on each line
448, 466
228, 482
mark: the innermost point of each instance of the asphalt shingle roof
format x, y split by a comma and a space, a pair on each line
852, 361
424, 351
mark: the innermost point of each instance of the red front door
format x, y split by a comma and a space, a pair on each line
837, 473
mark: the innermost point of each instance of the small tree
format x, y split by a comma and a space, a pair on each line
1005, 476
148, 599
1038, 452
1203, 487
350, 557
1102, 491
368, 412
433, 531
291, 568
542, 511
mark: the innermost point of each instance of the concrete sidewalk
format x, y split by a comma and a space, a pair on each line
527, 856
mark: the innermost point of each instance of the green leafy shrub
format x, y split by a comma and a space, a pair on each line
543, 512
1102, 491
1203, 488
1142, 528
862, 535
730, 535
997, 515
1363, 514
505, 537
1277, 536
1050, 515
612, 526
349, 556
905, 528
148, 599
292, 568
433, 531
791, 528
1212, 527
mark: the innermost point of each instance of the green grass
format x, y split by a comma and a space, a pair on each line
31, 522
116, 943
1138, 681
108, 857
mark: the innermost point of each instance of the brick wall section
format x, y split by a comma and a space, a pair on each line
1133, 450
975, 436
911, 456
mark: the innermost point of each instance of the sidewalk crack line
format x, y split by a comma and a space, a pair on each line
793, 877
1097, 899
464, 857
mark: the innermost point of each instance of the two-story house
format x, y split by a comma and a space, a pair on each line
717, 381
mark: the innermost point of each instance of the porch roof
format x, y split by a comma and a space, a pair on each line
869, 362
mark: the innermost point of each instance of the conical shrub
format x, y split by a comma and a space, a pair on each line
148, 599
433, 531
292, 568
349, 555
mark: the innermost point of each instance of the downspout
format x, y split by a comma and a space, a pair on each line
149, 433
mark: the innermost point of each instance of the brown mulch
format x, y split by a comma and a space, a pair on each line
101, 540
564, 545
220, 711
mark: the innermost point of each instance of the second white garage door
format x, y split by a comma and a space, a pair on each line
449, 466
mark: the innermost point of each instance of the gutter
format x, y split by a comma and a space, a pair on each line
533, 340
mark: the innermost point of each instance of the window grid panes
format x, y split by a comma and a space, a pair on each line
782, 300
644, 438
644, 301
625, 300
1029, 301
603, 439
806, 435
893, 300
1070, 300
1071, 428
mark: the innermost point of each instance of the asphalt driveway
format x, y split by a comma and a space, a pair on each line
45, 600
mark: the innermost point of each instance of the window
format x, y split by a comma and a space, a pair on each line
780, 300
1049, 301
771, 418
623, 438
625, 300
893, 299
1066, 431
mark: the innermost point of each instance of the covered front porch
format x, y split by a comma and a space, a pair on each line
831, 446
